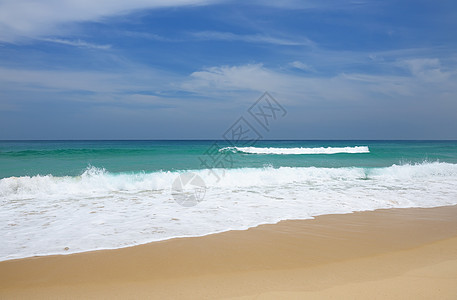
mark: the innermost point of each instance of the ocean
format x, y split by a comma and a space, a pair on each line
60, 197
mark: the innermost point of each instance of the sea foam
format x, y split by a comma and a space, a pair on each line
44, 215
300, 150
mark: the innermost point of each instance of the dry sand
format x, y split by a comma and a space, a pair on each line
385, 254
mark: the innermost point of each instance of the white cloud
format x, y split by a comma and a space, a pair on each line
237, 83
94, 82
77, 43
144, 35
343, 87
301, 66
252, 38
257, 78
33, 19
428, 69
245, 77
313, 4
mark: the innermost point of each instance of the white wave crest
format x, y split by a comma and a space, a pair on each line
92, 181
43, 215
298, 150
97, 181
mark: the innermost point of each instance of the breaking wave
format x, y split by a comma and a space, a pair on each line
318, 150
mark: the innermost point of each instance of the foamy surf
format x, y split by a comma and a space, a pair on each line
44, 215
297, 150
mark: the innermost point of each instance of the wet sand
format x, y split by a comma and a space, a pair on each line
384, 254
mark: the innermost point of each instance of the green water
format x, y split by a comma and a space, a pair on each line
60, 158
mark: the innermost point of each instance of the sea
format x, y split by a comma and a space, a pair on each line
61, 197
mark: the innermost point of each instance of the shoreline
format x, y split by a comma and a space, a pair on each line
320, 257
38, 256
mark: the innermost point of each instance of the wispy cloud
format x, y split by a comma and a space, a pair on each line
21, 19
252, 38
77, 43
301, 66
429, 69
343, 87
122, 82
145, 35
154, 92
426, 78
314, 4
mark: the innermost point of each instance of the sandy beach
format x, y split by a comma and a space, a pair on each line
196, 149
383, 254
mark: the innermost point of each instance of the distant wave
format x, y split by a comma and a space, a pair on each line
318, 150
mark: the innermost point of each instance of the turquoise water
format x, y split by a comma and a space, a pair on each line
60, 197
61, 158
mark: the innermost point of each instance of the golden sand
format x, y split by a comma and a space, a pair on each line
385, 254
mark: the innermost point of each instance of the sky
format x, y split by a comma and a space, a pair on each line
188, 69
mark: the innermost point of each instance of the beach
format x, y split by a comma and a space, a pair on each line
384, 254
65, 197
195, 149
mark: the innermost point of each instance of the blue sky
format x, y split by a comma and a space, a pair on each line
75, 69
